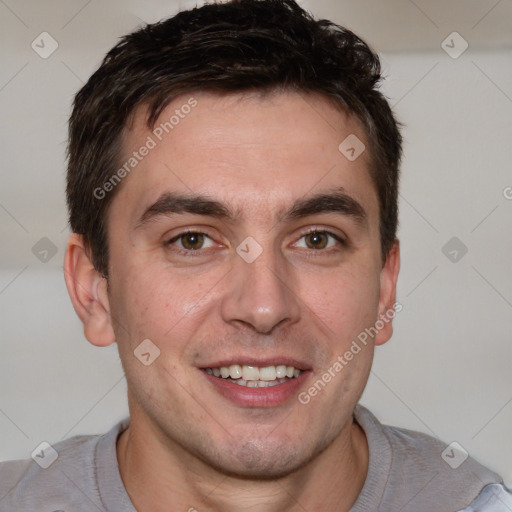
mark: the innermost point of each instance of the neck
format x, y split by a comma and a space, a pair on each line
160, 477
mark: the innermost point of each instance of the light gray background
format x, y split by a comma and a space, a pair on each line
447, 370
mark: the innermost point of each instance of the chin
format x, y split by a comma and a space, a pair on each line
263, 459
251, 464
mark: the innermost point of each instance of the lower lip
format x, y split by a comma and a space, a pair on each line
257, 397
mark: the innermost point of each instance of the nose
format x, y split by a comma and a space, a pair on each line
261, 294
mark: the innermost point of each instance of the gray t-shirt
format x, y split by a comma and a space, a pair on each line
407, 472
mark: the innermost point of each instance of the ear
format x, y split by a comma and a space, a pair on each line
87, 289
387, 299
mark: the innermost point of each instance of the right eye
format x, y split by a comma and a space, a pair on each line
191, 241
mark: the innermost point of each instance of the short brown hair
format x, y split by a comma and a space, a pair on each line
241, 45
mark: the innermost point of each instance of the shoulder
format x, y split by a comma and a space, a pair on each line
492, 498
53, 471
62, 475
424, 473
451, 461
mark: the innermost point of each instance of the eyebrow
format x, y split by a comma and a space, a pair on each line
330, 202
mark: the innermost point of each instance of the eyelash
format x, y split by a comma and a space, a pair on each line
341, 241
198, 252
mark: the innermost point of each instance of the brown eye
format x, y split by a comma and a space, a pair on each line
317, 240
192, 241
321, 241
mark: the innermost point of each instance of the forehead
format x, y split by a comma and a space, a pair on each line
255, 152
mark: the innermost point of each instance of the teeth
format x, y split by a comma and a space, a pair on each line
235, 371
258, 383
281, 371
250, 372
253, 376
268, 373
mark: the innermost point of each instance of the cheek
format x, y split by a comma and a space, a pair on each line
135, 294
155, 301
345, 301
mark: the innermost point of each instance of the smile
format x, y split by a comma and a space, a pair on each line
254, 376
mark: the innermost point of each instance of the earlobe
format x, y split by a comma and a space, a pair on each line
87, 289
387, 299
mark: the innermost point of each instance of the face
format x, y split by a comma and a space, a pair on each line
245, 244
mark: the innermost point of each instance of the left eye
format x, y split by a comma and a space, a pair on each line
192, 241
318, 240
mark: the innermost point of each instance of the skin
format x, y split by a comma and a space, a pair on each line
187, 445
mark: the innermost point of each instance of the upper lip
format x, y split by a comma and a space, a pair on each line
261, 363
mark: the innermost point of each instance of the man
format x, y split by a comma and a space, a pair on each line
232, 188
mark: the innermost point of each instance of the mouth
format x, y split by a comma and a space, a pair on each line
256, 385
255, 376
